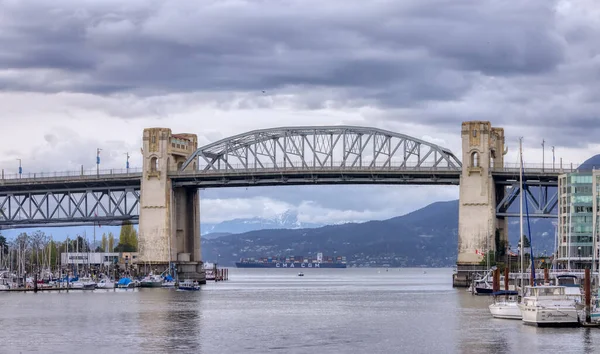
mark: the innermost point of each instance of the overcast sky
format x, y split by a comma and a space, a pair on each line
77, 75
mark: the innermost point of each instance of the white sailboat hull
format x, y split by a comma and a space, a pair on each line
506, 310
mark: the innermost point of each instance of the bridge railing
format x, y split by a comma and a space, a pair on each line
296, 166
538, 168
69, 175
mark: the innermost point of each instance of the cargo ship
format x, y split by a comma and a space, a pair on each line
293, 262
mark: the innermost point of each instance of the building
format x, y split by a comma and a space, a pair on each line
578, 206
89, 258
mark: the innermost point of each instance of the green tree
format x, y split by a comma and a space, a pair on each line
104, 243
111, 242
127, 238
3, 244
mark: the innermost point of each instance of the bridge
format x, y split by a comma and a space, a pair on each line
163, 195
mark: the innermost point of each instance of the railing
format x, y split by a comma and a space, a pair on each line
68, 175
240, 169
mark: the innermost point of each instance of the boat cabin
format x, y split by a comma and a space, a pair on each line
544, 291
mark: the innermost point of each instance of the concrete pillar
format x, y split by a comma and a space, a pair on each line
482, 151
169, 228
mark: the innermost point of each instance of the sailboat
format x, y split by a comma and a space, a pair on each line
506, 303
547, 305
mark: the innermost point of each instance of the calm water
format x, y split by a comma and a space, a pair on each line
274, 310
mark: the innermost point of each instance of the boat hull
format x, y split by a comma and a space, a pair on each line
483, 291
151, 284
505, 311
550, 317
289, 265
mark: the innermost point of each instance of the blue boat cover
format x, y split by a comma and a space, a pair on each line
169, 277
124, 281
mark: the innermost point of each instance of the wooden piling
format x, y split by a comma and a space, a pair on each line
506, 278
588, 295
496, 280
546, 275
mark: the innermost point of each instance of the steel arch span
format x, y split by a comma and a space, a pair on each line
318, 148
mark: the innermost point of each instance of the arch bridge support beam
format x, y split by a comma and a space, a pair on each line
169, 226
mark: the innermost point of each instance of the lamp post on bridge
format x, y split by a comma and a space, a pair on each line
98, 162
543, 153
127, 163
20, 168
553, 158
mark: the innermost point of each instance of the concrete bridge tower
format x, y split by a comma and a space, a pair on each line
482, 151
169, 227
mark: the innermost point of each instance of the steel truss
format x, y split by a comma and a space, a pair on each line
101, 205
338, 147
541, 201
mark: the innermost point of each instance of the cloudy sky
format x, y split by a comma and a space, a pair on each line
77, 75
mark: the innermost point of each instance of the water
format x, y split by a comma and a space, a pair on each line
275, 311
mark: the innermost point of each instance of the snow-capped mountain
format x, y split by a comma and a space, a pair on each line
286, 220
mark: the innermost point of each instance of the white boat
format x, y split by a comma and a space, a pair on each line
506, 305
168, 284
152, 281
548, 305
572, 285
85, 283
188, 285
106, 283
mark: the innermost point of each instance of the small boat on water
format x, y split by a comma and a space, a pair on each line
300, 274
125, 283
188, 285
106, 283
168, 282
548, 305
152, 281
506, 305
85, 283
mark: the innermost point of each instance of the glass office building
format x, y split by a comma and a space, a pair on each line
578, 200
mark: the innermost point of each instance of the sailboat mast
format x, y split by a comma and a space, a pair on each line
521, 192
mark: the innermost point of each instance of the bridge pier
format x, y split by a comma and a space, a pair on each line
169, 228
479, 229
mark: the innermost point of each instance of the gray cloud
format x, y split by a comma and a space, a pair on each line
394, 53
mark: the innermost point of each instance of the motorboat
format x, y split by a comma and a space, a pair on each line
506, 305
548, 305
125, 283
152, 281
572, 285
188, 285
168, 282
106, 283
85, 283
482, 286
300, 274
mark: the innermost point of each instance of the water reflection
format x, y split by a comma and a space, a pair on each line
170, 321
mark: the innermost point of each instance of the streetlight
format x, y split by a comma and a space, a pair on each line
98, 161
543, 151
20, 168
127, 164
579, 254
552, 158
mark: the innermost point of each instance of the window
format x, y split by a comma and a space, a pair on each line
475, 159
153, 164
474, 133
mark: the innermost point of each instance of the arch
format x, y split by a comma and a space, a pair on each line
153, 164
321, 147
475, 159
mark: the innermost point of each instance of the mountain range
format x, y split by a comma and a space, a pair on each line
425, 237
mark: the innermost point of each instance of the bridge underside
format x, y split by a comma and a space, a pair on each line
294, 178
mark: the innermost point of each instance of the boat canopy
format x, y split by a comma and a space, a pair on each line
168, 277
124, 281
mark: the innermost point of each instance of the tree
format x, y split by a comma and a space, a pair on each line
111, 242
104, 244
3, 244
128, 241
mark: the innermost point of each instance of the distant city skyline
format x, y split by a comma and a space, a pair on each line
73, 82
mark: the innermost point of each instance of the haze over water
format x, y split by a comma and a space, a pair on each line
275, 311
